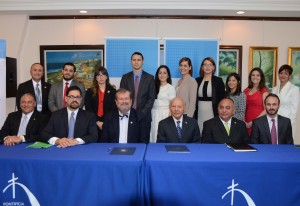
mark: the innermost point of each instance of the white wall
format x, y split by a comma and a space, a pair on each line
25, 36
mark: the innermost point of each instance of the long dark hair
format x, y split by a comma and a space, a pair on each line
157, 82
238, 87
95, 86
262, 83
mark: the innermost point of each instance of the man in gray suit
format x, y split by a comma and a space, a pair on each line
178, 128
142, 87
57, 94
272, 128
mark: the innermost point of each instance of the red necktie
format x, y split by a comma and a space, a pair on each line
273, 132
65, 94
136, 89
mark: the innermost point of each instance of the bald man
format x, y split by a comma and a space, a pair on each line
215, 131
178, 128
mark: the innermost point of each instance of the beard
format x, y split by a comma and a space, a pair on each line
74, 105
272, 111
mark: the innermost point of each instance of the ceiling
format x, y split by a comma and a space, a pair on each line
253, 8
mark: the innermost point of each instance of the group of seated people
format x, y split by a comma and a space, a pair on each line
143, 110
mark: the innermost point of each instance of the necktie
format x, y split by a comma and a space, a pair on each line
179, 131
38, 98
136, 89
22, 128
227, 128
65, 94
71, 126
273, 132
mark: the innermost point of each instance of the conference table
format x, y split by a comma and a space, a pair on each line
215, 175
80, 175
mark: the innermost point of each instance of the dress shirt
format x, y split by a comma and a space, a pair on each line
139, 75
176, 120
271, 124
52, 140
123, 122
28, 118
229, 123
40, 87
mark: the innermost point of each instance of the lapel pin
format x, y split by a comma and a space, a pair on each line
130, 122
185, 122
108, 91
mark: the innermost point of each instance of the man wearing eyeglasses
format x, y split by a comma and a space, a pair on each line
72, 125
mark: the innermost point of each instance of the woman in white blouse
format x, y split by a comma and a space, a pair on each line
164, 93
288, 94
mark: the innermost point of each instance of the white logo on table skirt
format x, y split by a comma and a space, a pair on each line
232, 190
32, 199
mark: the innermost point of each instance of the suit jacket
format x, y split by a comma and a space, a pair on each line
55, 98
167, 131
218, 93
85, 126
261, 131
214, 132
111, 128
35, 124
27, 87
91, 102
146, 94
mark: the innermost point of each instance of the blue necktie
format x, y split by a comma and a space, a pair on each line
179, 131
71, 126
38, 98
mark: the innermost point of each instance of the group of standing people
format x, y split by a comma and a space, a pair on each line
133, 113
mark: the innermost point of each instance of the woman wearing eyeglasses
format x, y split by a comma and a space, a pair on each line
100, 98
211, 90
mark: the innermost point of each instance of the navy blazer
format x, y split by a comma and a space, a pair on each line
214, 132
111, 128
261, 131
146, 94
218, 93
85, 126
167, 131
92, 101
27, 87
35, 124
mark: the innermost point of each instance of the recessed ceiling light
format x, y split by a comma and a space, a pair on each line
83, 12
240, 12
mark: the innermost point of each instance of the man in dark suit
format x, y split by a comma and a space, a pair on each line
272, 128
121, 125
37, 87
225, 128
58, 90
178, 128
71, 126
142, 87
24, 125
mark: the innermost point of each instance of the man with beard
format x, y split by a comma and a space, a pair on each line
272, 128
72, 125
121, 125
57, 94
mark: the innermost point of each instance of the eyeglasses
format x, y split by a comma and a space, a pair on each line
102, 75
208, 65
74, 97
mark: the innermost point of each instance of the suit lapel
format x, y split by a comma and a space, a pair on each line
221, 126
280, 129
64, 114
267, 128
173, 128
60, 96
31, 122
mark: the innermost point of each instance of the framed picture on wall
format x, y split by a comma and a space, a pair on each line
230, 60
85, 58
266, 59
294, 61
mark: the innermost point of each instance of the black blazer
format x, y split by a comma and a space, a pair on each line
261, 131
27, 87
146, 94
218, 93
85, 126
167, 131
111, 128
91, 102
214, 132
35, 124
